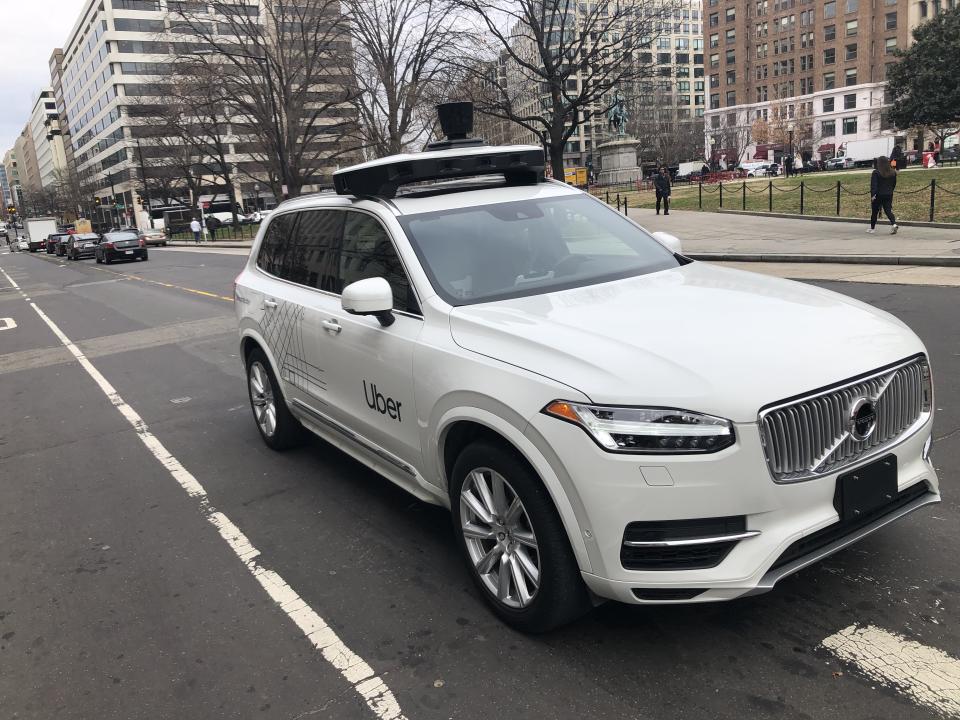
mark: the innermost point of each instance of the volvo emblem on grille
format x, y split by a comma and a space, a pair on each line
863, 419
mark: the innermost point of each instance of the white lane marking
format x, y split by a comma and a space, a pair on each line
7, 323
927, 675
352, 667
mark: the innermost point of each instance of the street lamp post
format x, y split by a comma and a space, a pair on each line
143, 177
790, 128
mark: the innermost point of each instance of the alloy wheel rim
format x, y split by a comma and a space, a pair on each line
499, 537
261, 396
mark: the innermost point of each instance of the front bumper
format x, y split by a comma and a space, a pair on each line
609, 491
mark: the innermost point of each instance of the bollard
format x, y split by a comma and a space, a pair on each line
625, 205
770, 195
838, 198
744, 190
933, 197
721, 193
801, 197
608, 197
701, 195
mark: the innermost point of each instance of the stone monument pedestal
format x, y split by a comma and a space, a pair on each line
618, 161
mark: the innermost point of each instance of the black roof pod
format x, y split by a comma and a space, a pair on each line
458, 156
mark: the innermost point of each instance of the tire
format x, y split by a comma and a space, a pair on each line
98, 259
145, 256
286, 432
559, 595
107, 260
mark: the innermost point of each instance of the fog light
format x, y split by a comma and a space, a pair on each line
926, 448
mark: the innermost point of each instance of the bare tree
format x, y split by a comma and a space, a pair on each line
402, 48
563, 61
284, 69
665, 136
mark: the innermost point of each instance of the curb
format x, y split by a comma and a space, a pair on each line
926, 260
831, 218
226, 244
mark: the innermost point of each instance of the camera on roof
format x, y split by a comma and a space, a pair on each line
456, 119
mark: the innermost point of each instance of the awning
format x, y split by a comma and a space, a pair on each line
826, 147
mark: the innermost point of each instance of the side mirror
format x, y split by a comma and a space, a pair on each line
671, 241
371, 296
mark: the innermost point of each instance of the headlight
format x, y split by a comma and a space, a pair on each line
647, 430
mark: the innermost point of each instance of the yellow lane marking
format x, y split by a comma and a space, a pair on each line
164, 284
158, 282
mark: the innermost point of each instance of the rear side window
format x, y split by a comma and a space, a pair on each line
311, 257
367, 252
273, 249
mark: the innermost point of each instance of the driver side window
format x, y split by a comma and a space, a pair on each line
366, 251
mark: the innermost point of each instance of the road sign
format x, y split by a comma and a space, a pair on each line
206, 206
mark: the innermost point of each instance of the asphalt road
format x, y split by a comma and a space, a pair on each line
119, 599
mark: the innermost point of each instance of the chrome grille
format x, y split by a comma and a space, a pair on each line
811, 436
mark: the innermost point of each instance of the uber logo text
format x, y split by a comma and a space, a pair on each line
384, 406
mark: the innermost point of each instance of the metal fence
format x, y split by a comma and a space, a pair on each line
735, 195
245, 231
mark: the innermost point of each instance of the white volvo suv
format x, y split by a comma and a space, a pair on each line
604, 417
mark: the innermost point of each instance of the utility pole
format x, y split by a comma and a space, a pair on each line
113, 200
146, 189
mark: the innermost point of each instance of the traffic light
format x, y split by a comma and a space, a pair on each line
96, 201
11, 209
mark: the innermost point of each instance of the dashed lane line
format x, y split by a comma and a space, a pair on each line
927, 675
378, 697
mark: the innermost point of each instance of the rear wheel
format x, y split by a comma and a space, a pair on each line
278, 427
512, 538
106, 259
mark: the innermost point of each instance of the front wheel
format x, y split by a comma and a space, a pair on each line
278, 427
513, 540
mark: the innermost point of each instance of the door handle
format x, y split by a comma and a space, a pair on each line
270, 304
332, 325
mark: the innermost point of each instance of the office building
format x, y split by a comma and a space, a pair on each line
811, 70
47, 142
12, 174
27, 165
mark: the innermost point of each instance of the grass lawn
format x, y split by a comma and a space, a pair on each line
911, 201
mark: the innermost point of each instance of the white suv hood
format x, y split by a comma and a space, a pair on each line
699, 337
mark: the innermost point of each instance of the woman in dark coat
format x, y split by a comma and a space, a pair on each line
882, 184
661, 184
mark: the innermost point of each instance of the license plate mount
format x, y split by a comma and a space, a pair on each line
861, 491
128, 252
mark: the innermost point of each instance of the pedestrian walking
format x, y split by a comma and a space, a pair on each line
788, 166
896, 157
661, 184
882, 183
212, 223
195, 227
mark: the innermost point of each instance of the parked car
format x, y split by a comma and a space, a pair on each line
53, 242
61, 248
81, 245
477, 344
121, 245
153, 236
21, 244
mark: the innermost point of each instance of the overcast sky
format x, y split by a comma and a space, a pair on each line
31, 30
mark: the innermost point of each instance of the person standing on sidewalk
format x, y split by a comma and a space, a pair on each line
882, 183
661, 184
195, 228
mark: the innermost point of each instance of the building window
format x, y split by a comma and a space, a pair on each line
715, 122
663, 58
850, 101
714, 100
890, 45
828, 128
923, 8
828, 105
731, 57
830, 9
829, 33
714, 81
829, 56
731, 14
829, 81
850, 53
731, 77
714, 19
852, 26
852, 6
850, 126
715, 40
891, 21
731, 98
850, 77
715, 60
731, 36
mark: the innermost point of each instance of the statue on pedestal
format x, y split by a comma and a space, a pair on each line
617, 116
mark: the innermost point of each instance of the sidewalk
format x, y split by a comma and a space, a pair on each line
748, 238
718, 236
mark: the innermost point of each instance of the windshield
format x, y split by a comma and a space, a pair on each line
528, 247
